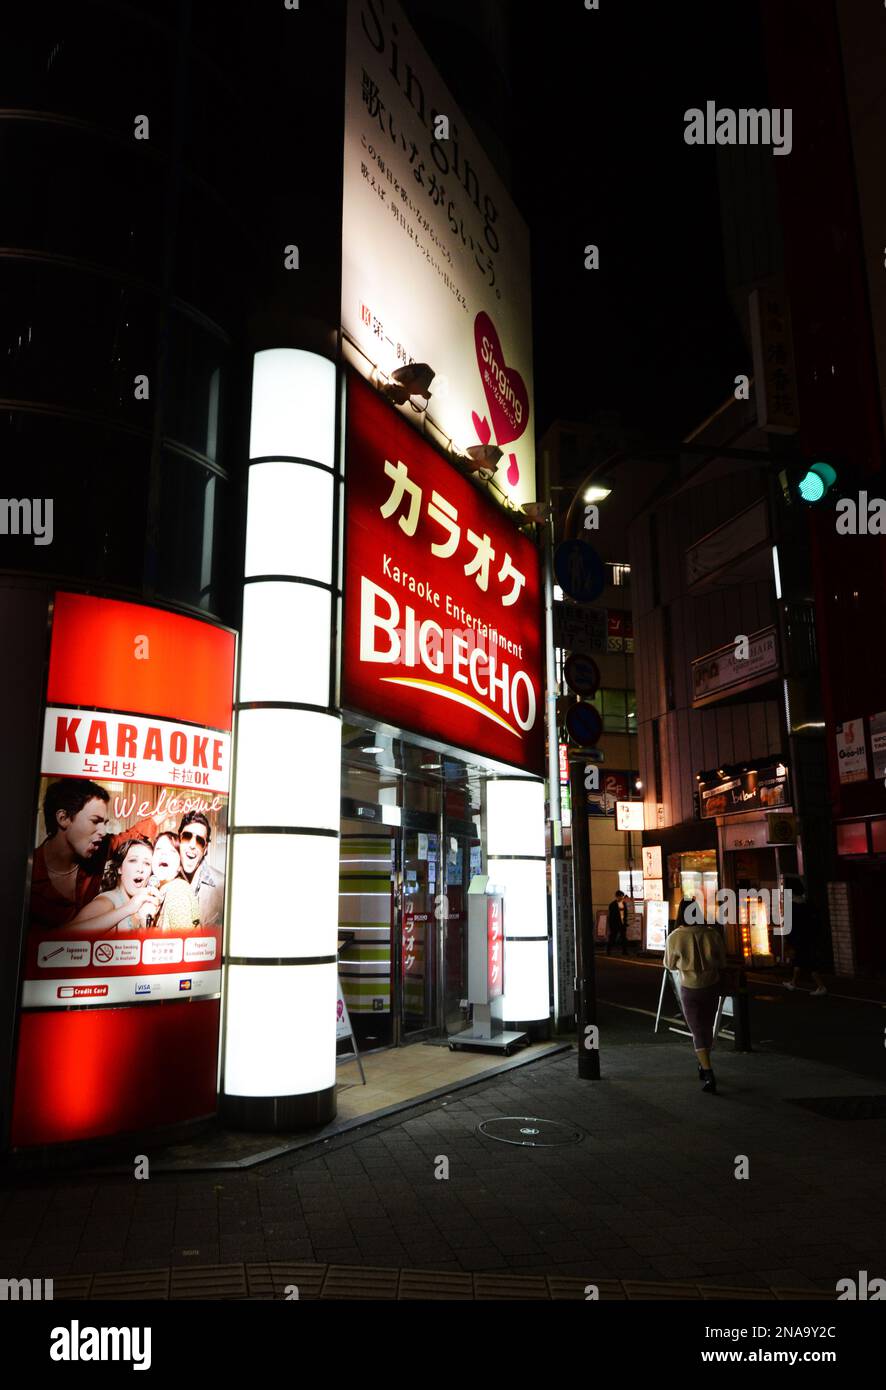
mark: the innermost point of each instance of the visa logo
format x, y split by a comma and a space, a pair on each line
142, 989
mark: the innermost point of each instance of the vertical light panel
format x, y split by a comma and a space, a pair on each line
515, 855
278, 1070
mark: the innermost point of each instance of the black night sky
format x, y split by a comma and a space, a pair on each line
651, 334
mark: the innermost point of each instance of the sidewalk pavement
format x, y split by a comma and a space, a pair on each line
649, 1194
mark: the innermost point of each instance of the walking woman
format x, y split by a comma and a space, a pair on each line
698, 953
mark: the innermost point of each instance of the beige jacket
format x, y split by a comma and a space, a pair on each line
698, 953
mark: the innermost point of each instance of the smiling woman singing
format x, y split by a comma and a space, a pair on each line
129, 899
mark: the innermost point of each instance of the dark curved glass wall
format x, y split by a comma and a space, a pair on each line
123, 258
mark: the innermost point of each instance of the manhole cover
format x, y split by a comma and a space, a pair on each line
530, 1131
846, 1107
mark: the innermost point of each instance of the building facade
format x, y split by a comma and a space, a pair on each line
278, 693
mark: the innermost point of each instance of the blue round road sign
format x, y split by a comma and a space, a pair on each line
582, 674
584, 724
579, 570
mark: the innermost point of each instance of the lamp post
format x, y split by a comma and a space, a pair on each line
584, 982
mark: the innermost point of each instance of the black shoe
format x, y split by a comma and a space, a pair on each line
701, 1073
710, 1083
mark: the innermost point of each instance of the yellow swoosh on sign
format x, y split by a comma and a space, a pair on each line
448, 692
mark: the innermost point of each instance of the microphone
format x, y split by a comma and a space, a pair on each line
153, 882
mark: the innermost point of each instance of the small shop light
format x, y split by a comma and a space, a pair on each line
482, 458
409, 383
537, 511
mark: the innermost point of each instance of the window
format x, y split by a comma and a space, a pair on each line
619, 711
619, 575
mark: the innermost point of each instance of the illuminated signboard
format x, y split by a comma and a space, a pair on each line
495, 947
629, 815
435, 257
128, 869
656, 925
652, 861
442, 625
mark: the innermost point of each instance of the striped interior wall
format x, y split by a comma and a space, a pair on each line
366, 909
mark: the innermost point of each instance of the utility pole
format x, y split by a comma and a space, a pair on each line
555, 817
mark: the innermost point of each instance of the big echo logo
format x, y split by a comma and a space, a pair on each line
443, 619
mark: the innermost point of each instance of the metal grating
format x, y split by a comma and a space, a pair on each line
530, 1132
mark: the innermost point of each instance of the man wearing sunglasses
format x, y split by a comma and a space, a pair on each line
208, 883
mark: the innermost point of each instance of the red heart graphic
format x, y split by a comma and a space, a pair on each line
483, 427
505, 389
513, 474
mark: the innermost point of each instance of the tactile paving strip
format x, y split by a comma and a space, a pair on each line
429, 1284
209, 1281
143, 1285
563, 1287
508, 1286
356, 1281
350, 1282
273, 1279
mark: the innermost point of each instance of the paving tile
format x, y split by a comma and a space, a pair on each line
481, 1257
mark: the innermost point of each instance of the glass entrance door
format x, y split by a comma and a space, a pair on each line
418, 935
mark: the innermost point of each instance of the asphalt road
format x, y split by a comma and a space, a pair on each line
845, 1032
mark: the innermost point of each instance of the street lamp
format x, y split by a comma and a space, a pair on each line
597, 492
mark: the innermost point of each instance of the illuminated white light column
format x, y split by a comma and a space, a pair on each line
278, 1059
515, 858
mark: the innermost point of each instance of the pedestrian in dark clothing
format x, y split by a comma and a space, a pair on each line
805, 924
618, 923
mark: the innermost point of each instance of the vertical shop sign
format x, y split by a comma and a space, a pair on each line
495, 946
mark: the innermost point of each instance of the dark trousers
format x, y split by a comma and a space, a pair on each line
616, 934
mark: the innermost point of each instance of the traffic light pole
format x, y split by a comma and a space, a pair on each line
585, 982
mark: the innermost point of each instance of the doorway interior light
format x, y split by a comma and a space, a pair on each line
409, 383
597, 492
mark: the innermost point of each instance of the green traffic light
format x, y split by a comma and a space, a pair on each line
816, 482
811, 487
